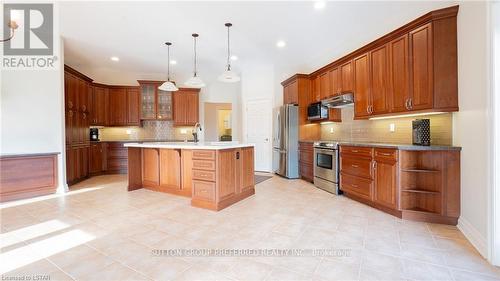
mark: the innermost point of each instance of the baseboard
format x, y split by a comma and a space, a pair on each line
474, 237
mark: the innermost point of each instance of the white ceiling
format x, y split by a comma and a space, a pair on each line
136, 31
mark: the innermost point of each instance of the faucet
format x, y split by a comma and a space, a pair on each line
195, 131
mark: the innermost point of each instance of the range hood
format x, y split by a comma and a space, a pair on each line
346, 99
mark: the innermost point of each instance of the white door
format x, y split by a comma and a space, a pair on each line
258, 127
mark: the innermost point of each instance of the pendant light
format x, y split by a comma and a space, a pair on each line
228, 76
195, 81
168, 86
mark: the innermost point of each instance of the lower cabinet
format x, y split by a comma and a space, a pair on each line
306, 165
77, 163
385, 172
98, 159
117, 158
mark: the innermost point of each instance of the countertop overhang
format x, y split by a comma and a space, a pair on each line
189, 145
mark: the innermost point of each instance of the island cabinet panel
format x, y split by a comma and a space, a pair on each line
170, 169
229, 173
187, 171
27, 176
247, 169
151, 168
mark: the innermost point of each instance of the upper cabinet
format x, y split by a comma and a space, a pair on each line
412, 69
291, 93
133, 107
124, 106
100, 104
155, 104
185, 104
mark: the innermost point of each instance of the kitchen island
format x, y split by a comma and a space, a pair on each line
213, 175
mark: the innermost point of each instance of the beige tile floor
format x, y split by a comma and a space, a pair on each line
99, 231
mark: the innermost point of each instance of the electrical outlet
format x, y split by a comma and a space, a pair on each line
128, 131
183, 131
331, 130
392, 127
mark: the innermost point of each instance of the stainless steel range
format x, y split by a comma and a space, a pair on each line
326, 166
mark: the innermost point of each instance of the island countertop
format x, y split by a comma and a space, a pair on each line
189, 145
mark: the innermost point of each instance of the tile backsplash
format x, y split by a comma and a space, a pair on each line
151, 130
378, 130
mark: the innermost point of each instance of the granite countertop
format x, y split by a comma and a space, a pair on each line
400, 146
189, 145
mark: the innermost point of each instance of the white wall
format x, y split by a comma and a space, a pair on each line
31, 111
471, 123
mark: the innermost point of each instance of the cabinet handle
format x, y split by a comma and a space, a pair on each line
354, 185
374, 164
70, 104
368, 109
407, 103
355, 166
354, 151
385, 154
410, 101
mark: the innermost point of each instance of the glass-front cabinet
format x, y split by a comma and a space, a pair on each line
155, 104
164, 105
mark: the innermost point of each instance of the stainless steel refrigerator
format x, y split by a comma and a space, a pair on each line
286, 141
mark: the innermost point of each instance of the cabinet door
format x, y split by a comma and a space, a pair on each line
335, 81
399, 74
192, 108
379, 80
316, 97
170, 169
100, 103
70, 163
70, 123
71, 91
324, 85
347, 80
148, 101
164, 107
96, 156
84, 128
83, 96
228, 172
133, 107
150, 167
385, 183
335, 115
362, 86
117, 107
293, 93
421, 69
84, 161
247, 168
179, 106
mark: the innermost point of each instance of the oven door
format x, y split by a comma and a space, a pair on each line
325, 164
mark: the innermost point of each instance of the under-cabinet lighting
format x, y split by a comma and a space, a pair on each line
326, 122
406, 115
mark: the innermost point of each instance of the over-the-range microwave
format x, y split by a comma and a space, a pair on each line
317, 111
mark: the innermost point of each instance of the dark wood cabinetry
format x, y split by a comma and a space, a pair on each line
155, 104
346, 81
98, 158
124, 106
185, 107
306, 156
133, 107
362, 85
291, 93
100, 105
324, 85
415, 184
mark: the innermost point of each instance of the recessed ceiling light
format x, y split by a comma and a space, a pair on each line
319, 5
115, 58
173, 62
280, 44
233, 57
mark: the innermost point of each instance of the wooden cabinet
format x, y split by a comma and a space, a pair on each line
362, 85
399, 80
170, 169
117, 158
100, 105
117, 107
346, 81
316, 89
185, 107
356, 172
421, 68
324, 85
98, 161
154, 104
335, 81
379, 80
306, 156
133, 107
151, 168
291, 93
385, 173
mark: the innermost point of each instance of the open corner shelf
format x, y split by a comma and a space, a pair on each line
421, 210
416, 170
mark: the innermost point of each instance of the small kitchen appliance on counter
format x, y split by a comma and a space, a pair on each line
94, 134
421, 132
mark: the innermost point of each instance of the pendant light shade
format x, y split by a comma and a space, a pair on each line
195, 81
228, 76
168, 85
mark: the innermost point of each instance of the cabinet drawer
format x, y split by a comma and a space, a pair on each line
388, 154
204, 175
306, 156
355, 185
356, 166
357, 150
204, 165
306, 146
204, 190
117, 164
204, 154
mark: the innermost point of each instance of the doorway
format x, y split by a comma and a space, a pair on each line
218, 121
258, 132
